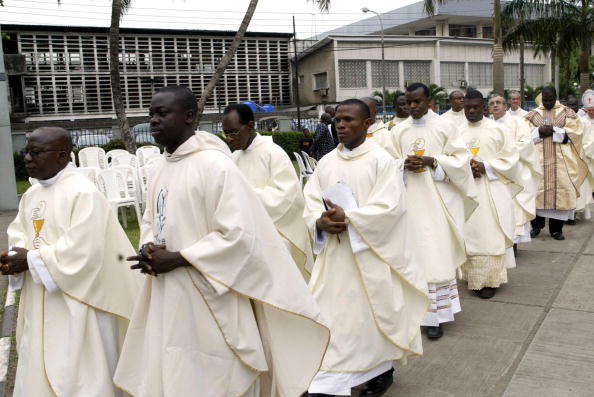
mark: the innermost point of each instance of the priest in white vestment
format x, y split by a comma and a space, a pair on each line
515, 105
490, 230
270, 172
557, 133
228, 314
529, 167
456, 113
441, 196
67, 252
400, 110
377, 126
585, 199
370, 296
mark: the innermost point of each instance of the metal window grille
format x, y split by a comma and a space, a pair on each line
417, 72
534, 75
480, 75
512, 75
320, 81
352, 74
451, 73
392, 78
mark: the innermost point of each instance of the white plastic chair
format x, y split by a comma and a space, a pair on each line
72, 159
90, 173
310, 162
115, 152
304, 174
124, 159
152, 158
130, 174
92, 157
144, 151
145, 173
113, 184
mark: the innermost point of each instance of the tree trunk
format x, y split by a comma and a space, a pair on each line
114, 75
554, 71
226, 59
567, 65
584, 69
498, 72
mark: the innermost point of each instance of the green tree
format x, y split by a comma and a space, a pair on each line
389, 96
439, 94
563, 25
431, 6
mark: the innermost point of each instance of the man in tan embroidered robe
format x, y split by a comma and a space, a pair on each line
441, 196
229, 314
371, 297
557, 133
67, 252
269, 170
401, 110
489, 231
530, 168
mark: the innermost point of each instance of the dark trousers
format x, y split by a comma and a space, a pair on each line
555, 225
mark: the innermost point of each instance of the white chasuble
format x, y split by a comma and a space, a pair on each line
585, 198
457, 118
270, 172
437, 207
530, 172
371, 298
79, 293
490, 230
240, 320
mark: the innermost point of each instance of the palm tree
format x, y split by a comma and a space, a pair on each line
389, 96
430, 7
438, 93
564, 25
323, 5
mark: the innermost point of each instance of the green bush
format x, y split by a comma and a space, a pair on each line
19, 166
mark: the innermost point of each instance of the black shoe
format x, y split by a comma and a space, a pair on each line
515, 250
379, 385
487, 293
534, 232
434, 332
570, 222
317, 395
558, 236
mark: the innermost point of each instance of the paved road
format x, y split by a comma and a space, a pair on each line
534, 338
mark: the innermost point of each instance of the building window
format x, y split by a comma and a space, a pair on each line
352, 74
76, 94
417, 72
320, 81
462, 30
487, 32
30, 95
451, 74
511, 72
301, 79
480, 75
534, 75
426, 32
392, 77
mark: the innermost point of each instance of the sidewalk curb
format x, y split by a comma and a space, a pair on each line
5, 337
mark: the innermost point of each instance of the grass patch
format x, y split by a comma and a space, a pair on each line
133, 229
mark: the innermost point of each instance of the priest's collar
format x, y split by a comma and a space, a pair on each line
475, 124
50, 181
421, 121
253, 144
351, 154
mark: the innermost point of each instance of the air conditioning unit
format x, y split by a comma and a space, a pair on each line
322, 91
463, 83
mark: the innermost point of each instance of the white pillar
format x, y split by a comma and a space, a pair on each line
8, 192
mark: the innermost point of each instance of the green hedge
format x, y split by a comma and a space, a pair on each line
288, 140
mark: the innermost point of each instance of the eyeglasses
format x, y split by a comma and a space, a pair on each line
231, 133
36, 153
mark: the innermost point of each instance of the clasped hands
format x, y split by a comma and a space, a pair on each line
478, 168
155, 259
545, 131
414, 162
13, 263
333, 220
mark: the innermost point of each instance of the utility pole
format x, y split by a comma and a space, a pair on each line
8, 192
296, 77
384, 92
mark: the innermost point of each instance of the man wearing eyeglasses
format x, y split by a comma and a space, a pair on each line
269, 170
66, 253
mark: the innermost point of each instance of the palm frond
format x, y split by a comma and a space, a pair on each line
429, 6
323, 5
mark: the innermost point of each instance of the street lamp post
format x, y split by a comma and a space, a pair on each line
366, 10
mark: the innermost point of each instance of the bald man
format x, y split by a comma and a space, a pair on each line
66, 253
456, 112
377, 126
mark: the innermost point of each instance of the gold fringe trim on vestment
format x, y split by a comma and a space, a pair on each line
482, 271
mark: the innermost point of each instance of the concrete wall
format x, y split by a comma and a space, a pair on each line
320, 61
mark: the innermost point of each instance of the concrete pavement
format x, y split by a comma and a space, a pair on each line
534, 338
